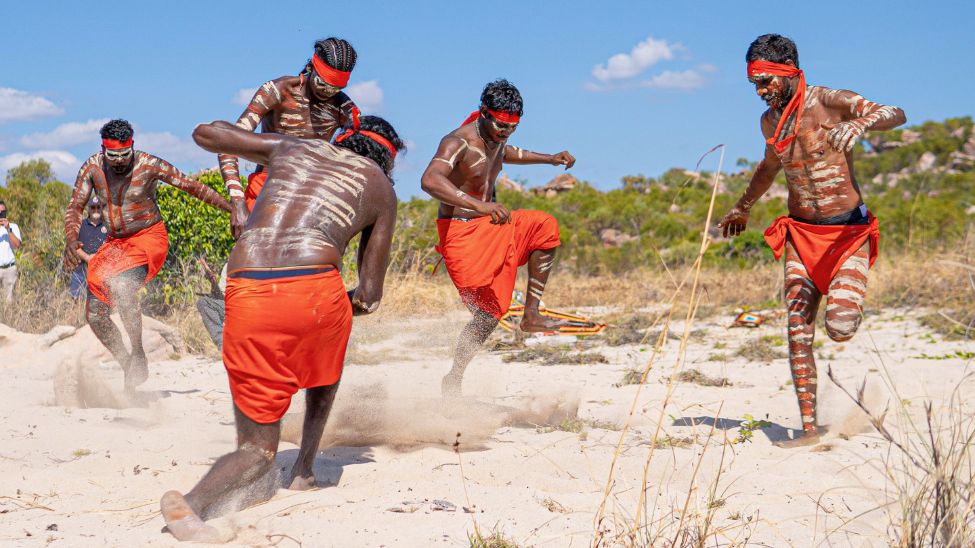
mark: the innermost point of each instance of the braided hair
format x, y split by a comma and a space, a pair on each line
338, 53
364, 146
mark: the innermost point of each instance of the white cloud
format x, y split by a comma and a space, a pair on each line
63, 163
174, 149
243, 96
669, 79
643, 56
17, 105
367, 95
65, 135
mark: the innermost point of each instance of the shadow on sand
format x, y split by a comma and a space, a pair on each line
774, 433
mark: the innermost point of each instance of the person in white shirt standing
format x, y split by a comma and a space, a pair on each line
9, 242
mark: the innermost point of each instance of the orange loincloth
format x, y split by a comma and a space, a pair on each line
823, 248
117, 255
282, 335
483, 259
255, 182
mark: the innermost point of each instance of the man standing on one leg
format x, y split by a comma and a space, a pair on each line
310, 105
483, 243
288, 314
829, 238
125, 182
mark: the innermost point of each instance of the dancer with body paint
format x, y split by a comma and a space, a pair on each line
288, 316
829, 237
483, 243
310, 105
125, 181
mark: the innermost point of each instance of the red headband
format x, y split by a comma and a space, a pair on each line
499, 115
332, 77
758, 67
372, 135
113, 144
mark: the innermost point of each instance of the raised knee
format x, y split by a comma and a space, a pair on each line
842, 329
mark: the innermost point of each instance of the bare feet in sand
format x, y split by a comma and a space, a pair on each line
450, 386
810, 437
536, 323
136, 371
301, 483
183, 522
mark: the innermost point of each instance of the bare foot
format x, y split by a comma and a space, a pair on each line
301, 483
183, 522
809, 437
536, 323
137, 371
450, 386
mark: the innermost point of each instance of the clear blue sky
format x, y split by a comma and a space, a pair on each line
167, 66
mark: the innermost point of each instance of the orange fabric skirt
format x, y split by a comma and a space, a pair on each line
823, 248
282, 335
483, 259
255, 182
117, 255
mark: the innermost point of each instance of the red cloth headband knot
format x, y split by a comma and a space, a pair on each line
499, 115
113, 144
372, 135
332, 77
758, 67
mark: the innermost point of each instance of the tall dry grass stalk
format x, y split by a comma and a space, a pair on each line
686, 528
930, 469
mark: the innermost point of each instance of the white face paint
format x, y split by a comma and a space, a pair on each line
118, 154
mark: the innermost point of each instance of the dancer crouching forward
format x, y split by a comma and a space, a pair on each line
288, 316
483, 243
829, 239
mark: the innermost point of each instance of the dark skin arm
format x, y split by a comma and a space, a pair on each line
14, 240
223, 137
520, 156
72, 216
436, 182
373, 258
736, 220
177, 179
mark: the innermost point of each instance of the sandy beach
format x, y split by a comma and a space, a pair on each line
83, 465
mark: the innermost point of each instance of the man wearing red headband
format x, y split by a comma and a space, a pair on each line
288, 314
310, 105
125, 181
483, 243
829, 238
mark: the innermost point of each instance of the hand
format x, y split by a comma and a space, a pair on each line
734, 222
563, 159
499, 214
5, 223
238, 216
71, 257
843, 136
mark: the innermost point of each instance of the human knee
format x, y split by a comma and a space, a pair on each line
842, 327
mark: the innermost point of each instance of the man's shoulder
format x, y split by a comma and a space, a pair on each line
95, 158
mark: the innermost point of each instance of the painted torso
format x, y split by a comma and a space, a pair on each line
475, 169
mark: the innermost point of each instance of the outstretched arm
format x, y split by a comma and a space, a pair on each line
167, 173
516, 155
735, 221
267, 97
223, 137
436, 182
859, 116
72, 216
373, 257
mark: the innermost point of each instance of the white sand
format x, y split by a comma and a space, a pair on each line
74, 476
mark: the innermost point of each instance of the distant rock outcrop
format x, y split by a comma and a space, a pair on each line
611, 237
561, 183
505, 183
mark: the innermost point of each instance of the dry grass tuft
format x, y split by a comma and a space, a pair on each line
763, 349
696, 377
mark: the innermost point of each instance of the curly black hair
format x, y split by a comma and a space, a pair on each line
773, 47
338, 53
117, 129
364, 146
502, 95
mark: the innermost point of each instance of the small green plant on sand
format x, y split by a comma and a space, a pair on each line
495, 540
749, 426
